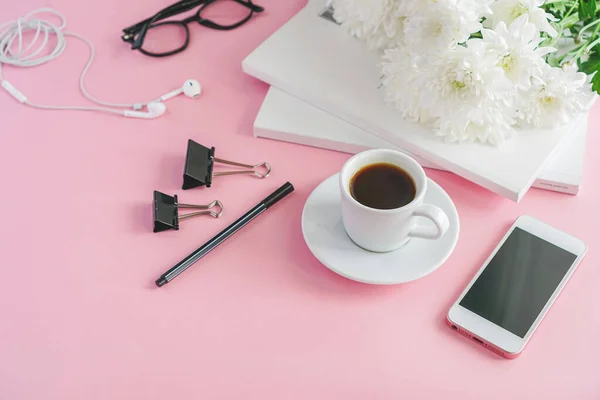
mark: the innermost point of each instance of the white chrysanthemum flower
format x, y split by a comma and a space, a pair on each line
517, 50
399, 72
461, 93
432, 25
377, 22
555, 98
468, 74
485, 123
509, 10
469, 95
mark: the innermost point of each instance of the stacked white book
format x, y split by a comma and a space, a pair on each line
325, 94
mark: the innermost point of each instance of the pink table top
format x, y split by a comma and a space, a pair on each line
260, 317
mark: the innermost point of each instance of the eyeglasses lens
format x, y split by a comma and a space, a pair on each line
225, 12
165, 37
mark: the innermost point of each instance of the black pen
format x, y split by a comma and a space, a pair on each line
261, 207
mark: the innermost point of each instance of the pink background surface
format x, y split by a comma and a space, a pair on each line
259, 317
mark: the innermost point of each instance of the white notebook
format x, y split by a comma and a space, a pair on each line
315, 60
286, 118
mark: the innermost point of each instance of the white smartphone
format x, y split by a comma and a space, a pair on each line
508, 297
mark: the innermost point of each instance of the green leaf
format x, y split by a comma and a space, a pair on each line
591, 65
596, 83
587, 9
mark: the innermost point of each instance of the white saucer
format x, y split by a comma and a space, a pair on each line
326, 238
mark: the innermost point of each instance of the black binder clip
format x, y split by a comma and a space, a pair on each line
166, 211
199, 162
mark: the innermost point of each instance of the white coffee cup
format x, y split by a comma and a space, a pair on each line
386, 230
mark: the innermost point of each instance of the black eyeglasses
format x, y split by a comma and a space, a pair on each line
161, 39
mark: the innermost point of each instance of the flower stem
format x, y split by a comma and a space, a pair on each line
573, 7
588, 26
586, 47
592, 45
569, 21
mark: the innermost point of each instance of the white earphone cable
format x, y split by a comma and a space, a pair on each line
11, 35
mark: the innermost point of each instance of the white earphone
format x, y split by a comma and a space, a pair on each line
11, 35
155, 110
191, 88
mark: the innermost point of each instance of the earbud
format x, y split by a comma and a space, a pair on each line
155, 110
191, 88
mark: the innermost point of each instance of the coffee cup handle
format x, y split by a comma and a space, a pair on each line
437, 216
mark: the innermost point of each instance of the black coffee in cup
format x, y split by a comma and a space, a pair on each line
382, 186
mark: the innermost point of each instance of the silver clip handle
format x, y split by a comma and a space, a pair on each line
251, 169
206, 207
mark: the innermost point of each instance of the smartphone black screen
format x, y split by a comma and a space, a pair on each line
518, 282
